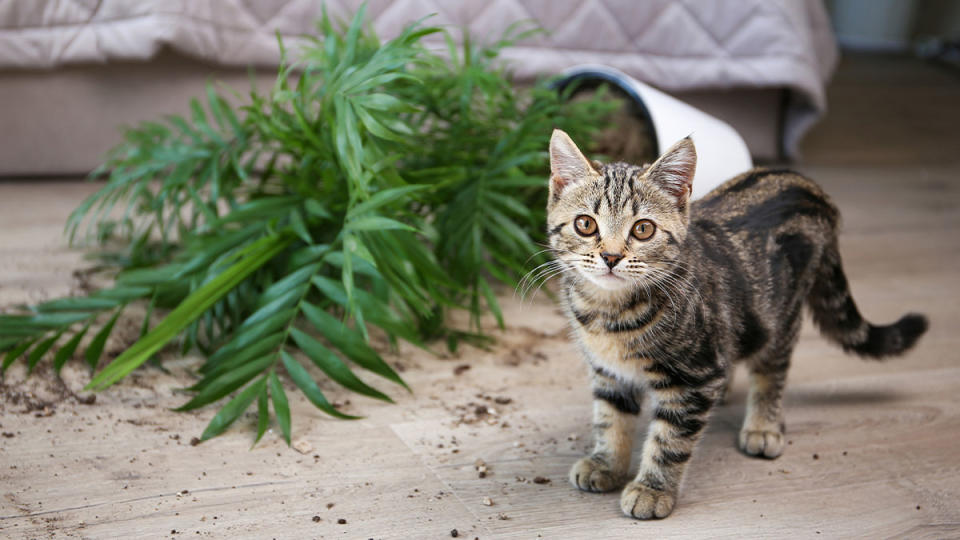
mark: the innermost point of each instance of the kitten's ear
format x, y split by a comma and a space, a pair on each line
674, 171
567, 164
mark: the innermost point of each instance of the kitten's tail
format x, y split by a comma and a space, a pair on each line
838, 318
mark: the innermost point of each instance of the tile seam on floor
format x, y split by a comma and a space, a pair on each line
139, 499
442, 481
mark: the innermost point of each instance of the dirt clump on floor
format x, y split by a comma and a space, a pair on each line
42, 392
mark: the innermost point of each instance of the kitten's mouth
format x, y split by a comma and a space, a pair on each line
610, 281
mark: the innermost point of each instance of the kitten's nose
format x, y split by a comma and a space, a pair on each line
611, 258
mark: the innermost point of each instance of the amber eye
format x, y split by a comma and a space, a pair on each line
585, 226
643, 229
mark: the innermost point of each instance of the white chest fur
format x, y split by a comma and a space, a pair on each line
614, 354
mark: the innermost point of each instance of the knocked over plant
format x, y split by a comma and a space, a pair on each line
385, 186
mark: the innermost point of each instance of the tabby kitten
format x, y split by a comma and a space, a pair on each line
664, 296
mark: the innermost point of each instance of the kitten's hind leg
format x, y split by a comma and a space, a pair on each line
762, 432
615, 411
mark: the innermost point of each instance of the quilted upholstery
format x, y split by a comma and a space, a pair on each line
673, 44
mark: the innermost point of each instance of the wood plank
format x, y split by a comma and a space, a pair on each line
124, 468
879, 443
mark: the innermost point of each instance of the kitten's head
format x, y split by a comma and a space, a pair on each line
618, 225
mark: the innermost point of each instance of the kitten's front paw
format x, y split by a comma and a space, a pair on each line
643, 502
592, 474
768, 444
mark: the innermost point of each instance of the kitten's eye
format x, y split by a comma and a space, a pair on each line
585, 226
643, 229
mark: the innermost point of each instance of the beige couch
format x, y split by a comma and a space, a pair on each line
72, 72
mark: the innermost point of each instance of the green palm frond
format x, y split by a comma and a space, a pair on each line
376, 184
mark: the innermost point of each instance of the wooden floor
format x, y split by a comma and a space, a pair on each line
873, 448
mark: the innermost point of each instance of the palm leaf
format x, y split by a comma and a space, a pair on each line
280, 406
232, 410
351, 343
376, 184
309, 387
191, 308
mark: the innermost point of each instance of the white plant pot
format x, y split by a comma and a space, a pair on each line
721, 152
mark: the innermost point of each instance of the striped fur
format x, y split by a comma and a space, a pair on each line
722, 280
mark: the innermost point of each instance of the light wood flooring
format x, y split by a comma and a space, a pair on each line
873, 451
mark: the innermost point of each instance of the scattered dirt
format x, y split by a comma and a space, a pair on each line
473, 412
142, 402
454, 533
541, 480
481, 467
41, 393
522, 346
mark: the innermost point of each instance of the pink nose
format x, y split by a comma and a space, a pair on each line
611, 258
